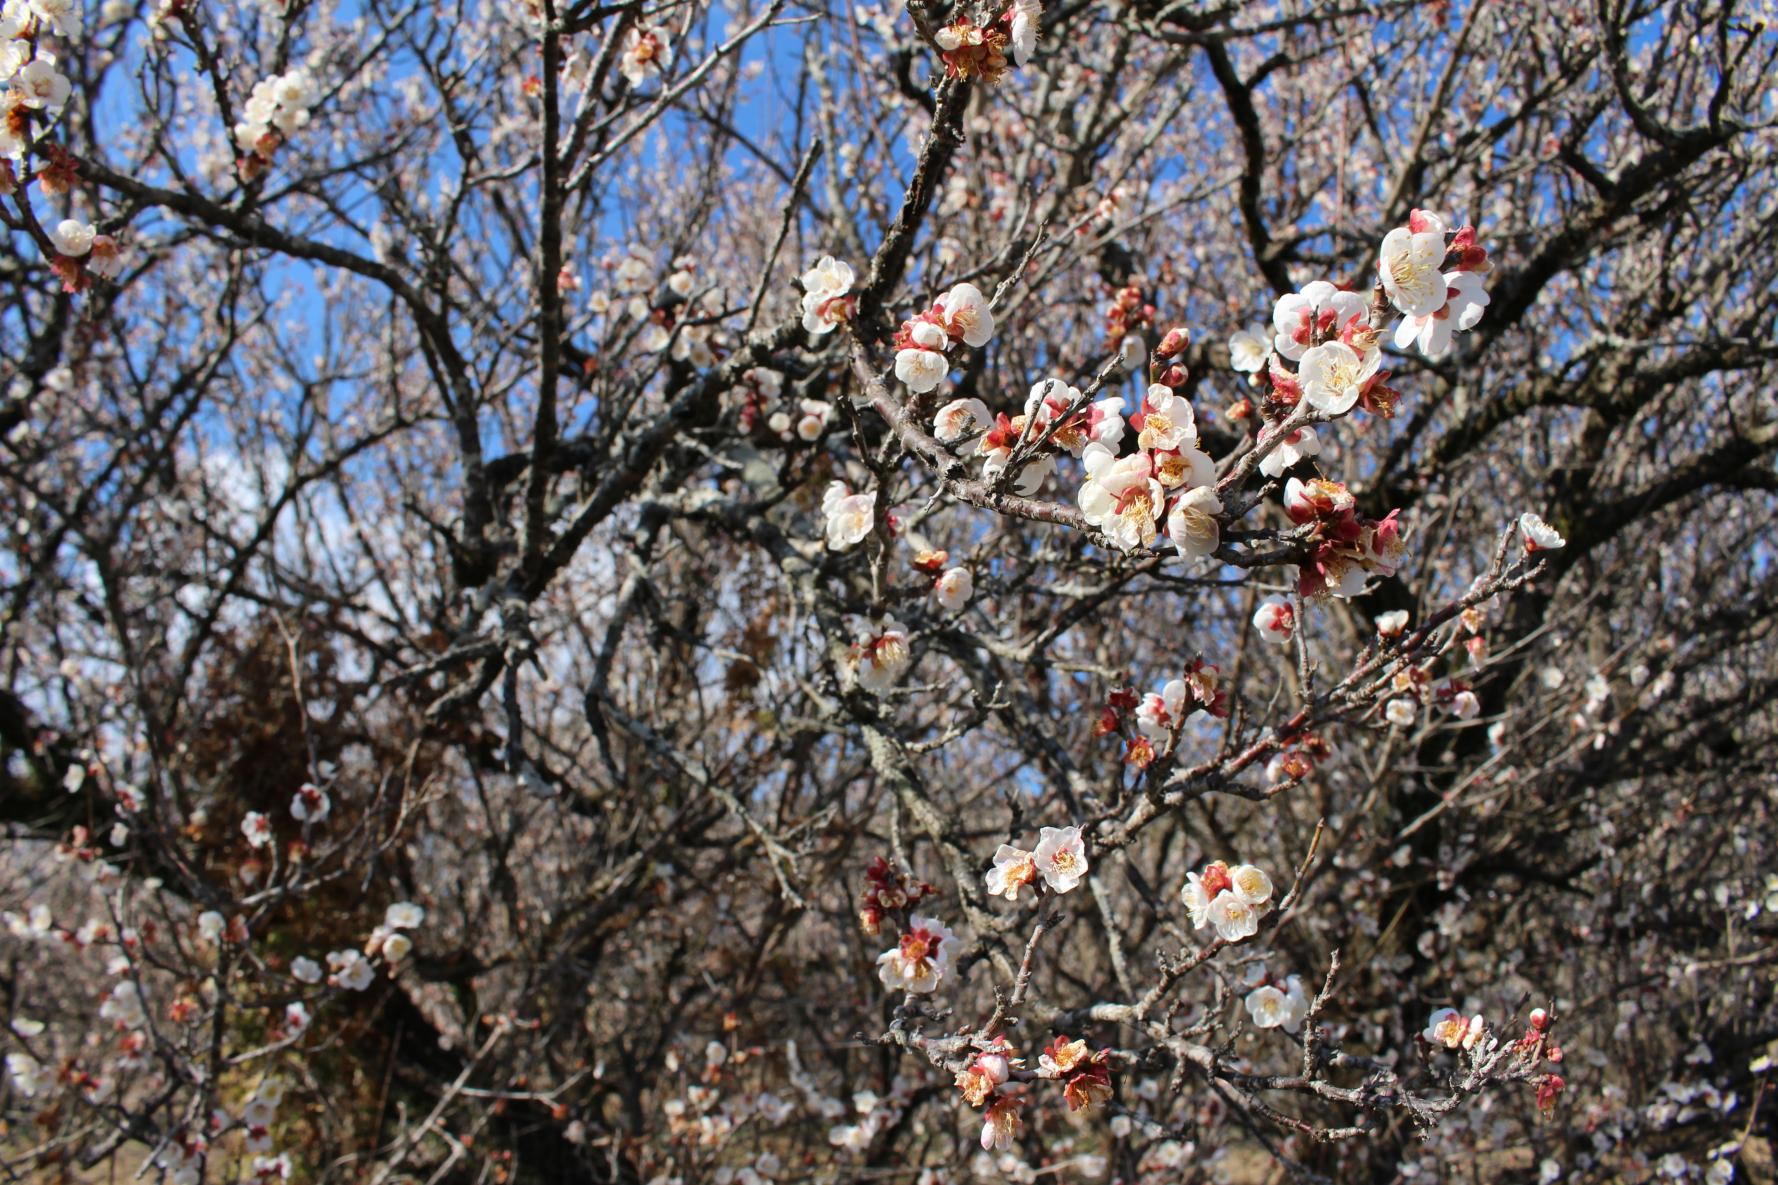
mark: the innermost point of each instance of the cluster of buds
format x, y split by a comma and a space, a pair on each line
922, 344
1534, 1048
683, 324
887, 891
1231, 900
1127, 312
757, 392
951, 586
1433, 277
1348, 547
1299, 759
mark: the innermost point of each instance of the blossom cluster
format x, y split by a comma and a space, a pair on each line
35, 89
828, 300
952, 587
277, 109
1157, 717
35, 93
761, 401
979, 51
1348, 548
995, 1080
922, 345
1060, 859
1434, 282
1299, 758
1231, 900
1057, 419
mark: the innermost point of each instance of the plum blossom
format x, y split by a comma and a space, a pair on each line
1272, 1008
959, 418
954, 589
826, 299
310, 804
1411, 268
1052, 401
1061, 857
404, 915
1539, 535
39, 85
880, 658
1432, 334
62, 16
350, 970
1275, 620
123, 1006
1165, 420
305, 970
1392, 623
1248, 349
850, 516
1000, 1123
1014, 868
918, 962
647, 52
964, 315
1120, 496
1319, 311
1334, 375
813, 420
1293, 448
1022, 26
1192, 524
1400, 711
1232, 918
984, 1075
1160, 712
27, 1074
72, 237
257, 828
922, 364
1448, 1028
1251, 884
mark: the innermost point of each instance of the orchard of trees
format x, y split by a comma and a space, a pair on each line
741, 593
